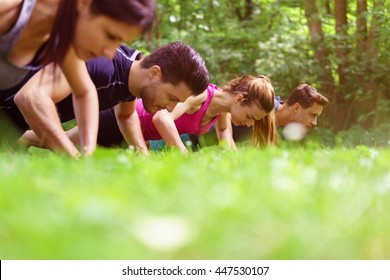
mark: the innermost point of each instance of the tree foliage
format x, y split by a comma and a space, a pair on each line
338, 46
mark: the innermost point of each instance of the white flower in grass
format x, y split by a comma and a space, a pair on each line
383, 185
123, 159
164, 234
188, 143
294, 131
374, 153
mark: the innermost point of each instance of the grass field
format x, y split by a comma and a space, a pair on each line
213, 204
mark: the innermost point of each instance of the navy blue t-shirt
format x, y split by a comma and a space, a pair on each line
277, 103
111, 78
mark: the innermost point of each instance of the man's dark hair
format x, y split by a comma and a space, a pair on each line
306, 95
179, 63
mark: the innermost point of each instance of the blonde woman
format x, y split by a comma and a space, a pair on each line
246, 101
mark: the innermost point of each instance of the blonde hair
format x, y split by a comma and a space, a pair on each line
257, 90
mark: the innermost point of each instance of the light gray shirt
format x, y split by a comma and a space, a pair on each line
10, 74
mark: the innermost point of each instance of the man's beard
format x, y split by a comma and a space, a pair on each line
145, 99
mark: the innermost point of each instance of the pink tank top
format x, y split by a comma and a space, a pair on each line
185, 124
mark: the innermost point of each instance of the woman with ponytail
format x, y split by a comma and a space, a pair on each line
64, 34
259, 91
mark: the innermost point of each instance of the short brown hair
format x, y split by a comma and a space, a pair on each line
179, 63
306, 95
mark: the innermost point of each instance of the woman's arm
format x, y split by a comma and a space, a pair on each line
165, 125
129, 125
85, 101
164, 121
223, 128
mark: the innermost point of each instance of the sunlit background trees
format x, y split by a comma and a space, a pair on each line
339, 46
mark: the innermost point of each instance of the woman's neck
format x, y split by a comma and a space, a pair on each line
220, 103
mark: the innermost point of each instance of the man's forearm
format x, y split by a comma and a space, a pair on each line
131, 131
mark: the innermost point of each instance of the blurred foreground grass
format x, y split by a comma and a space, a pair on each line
213, 204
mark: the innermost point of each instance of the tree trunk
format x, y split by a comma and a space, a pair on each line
341, 120
361, 27
327, 8
327, 83
341, 42
248, 10
372, 50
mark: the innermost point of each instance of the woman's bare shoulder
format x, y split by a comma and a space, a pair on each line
48, 2
9, 5
9, 11
52, 4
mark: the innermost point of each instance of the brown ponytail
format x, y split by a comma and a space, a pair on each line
264, 131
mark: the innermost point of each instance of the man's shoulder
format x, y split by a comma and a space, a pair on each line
127, 53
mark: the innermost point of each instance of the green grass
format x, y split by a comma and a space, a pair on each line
277, 204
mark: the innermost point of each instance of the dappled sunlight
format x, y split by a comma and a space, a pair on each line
294, 131
163, 233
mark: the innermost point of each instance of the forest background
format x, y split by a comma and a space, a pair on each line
339, 47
